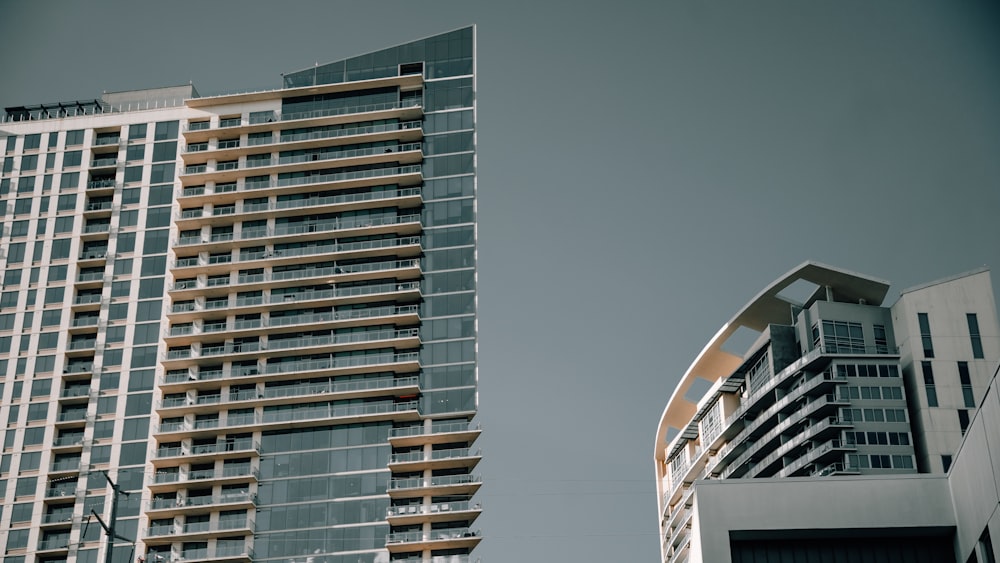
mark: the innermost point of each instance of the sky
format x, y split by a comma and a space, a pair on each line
645, 168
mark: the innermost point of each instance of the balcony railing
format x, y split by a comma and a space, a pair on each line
438, 481
161, 477
418, 456
311, 412
433, 535
341, 362
338, 387
194, 501
445, 428
303, 273
329, 112
456, 506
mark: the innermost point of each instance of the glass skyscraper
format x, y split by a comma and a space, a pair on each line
255, 313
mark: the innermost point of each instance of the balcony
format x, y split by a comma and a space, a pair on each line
277, 256
171, 480
438, 485
219, 450
407, 175
448, 538
435, 459
61, 490
219, 552
177, 505
279, 301
325, 272
196, 530
832, 449
466, 510
104, 162
58, 518
98, 206
105, 141
101, 184
400, 224
344, 362
325, 412
451, 432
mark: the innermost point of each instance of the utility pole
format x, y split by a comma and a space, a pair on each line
109, 528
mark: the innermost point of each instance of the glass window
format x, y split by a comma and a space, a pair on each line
154, 266
925, 334
69, 180
128, 218
155, 241
32, 141
126, 242
135, 152
66, 202
64, 224
975, 336
161, 195
161, 173
137, 131
149, 310
72, 159
150, 288
131, 195
164, 151
166, 130
74, 137
158, 217
133, 174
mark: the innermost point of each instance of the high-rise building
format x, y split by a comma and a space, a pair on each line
834, 434
253, 313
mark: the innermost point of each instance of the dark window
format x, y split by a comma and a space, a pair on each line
161, 173
72, 159
166, 130
158, 217
977, 340
155, 241
963, 420
64, 224
32, 141
69, 180
131, 195
929, 387
966, 381
133, 174
164, 151
137, 131
925, 335
135, 152
161, 195
74, 137
66, 202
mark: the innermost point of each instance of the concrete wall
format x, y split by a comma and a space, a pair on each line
775, 506
974, 479
936, 429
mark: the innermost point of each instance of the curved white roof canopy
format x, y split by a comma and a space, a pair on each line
714, 363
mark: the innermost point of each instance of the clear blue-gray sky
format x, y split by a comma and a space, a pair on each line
644, 169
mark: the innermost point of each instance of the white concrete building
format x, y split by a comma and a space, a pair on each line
839, 432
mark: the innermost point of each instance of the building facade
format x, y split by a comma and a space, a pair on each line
838, 390
254, 313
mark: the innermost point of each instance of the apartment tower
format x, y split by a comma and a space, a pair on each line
833, 433
253, 313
